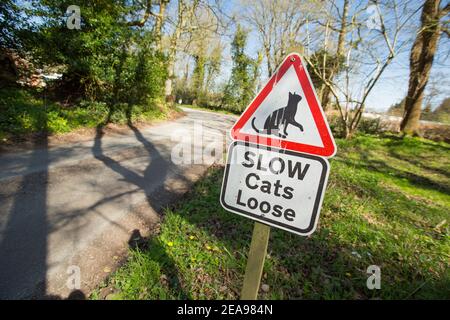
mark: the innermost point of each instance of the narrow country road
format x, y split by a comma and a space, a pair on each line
75, 207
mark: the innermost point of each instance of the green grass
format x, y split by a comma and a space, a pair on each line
24, 112
386, 203
217, 110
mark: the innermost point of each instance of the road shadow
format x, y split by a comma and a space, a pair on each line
157, 169
74, 295
23, 245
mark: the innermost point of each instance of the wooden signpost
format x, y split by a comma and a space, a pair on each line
255, 262
277, 169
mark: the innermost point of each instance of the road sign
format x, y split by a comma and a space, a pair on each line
287, 114
278, 187
276, 173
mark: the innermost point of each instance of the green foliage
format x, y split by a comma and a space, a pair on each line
12, 23
337, 125
198, 76
107, 59
397, 109
107, 65
441, 113
386, 204
23, 112
327, 63
370, 126
200, 90
366, 126
213, 66
210, 109
241, 86
8, 12
139, 279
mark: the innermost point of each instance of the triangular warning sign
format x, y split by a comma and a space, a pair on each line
287, 114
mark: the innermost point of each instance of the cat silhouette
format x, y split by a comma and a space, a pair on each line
281, 117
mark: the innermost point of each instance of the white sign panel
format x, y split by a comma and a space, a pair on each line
277, 187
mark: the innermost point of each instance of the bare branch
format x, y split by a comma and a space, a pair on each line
148, 12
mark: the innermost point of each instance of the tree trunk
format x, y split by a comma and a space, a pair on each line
269, 64
347, 131
160, 22
168, 83
340, 51
173, 51
325, 98
185, 12
342, 31
170, 66
421, 61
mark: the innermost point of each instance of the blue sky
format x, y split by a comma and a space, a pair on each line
393, 85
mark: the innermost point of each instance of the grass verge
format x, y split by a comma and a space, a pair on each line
387, 204
211, 109
24, 112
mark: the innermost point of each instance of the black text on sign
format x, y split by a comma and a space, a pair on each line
277, 187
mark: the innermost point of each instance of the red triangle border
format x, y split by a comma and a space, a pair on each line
329, 146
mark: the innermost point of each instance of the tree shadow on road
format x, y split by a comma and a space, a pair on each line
23, 246
157, 170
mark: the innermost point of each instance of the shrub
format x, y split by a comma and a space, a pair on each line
23, 111
336, 125
371, 126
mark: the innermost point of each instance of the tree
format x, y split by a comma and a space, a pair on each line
197, 55
207, 59
421, 61
365, 60
192, 18
278, 25
427, 112
213, 66
241, 86
331, 64
9, 22
198, 76
107, 57
16, 35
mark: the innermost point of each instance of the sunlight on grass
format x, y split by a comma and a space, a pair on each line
387, 203
25, 112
